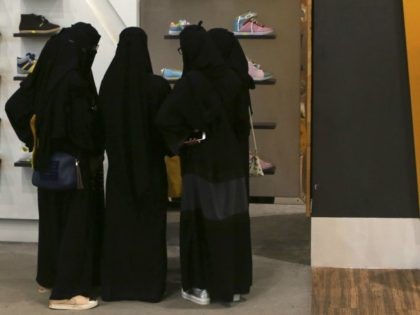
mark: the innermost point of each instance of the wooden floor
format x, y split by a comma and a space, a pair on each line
365, 292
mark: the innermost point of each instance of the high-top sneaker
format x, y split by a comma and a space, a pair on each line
36, 24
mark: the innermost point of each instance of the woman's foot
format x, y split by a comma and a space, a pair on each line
42, 289
77, 302
198, 296
236, 298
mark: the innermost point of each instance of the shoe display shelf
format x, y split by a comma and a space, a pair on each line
268, 36
22, 163
32, 35
19, 77
271, 81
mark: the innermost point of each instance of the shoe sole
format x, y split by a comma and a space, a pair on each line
54, 30
253, 33
268, 77
194, 299
75, 307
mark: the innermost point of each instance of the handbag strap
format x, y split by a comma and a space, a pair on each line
253, 131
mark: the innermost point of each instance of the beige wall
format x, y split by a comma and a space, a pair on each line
278, 103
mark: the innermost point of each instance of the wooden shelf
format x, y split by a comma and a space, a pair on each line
270, 172
33, 35
23, 163
271, 81
19, 77
268, 36
265, 125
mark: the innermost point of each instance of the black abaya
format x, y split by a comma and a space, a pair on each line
235, 59
62, 98
134, 252
215, 225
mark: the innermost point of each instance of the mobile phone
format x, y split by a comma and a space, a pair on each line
196, 137
199, 135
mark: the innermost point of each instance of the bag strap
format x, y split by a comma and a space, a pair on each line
253, 131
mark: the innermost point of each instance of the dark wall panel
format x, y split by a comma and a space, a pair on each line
363, 155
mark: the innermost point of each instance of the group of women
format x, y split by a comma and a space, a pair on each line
119, 246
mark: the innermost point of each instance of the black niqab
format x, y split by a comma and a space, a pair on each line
72, 50
122, 96
232, 53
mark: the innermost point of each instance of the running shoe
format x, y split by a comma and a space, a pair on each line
242, 19
175, 28
252, 27
198, 296
255, 71
171, 74
26, 65
36, 24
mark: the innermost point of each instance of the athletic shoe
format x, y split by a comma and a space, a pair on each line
252, 27
255, 71
26, 65
197, 296
242, 19
36, 24
236, 298
76, 303
171, 74
175, 28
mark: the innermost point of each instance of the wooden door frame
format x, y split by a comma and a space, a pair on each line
306, 103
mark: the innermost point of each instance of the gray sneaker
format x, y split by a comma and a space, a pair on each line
199, 296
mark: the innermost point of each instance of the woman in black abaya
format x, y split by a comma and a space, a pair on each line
66, 120
216, 261
235, 59
134, 253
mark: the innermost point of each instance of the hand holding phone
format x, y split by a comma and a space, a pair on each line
195, 138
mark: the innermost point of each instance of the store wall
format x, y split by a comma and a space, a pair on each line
18, 202
365, 203
278, 103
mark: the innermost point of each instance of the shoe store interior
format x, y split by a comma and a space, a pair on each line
126, 185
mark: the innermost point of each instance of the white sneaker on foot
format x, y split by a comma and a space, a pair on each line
236, 298
198, 296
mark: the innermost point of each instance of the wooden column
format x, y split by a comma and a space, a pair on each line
412, 30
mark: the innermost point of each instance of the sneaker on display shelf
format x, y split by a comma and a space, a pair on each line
36, 24
175, 28
255, 71
26, 65
198, 296
253, 27
242, 19
171, 74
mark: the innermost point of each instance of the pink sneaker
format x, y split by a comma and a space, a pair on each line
252, 27
255, 71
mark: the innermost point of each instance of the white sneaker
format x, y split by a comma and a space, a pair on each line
197, 296
76, 303
236, 298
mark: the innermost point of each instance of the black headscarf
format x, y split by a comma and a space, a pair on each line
201, 100
199, 52
122, 101
232, 53
71, 51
